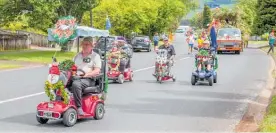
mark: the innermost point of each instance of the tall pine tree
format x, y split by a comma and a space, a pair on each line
207, 18
266, 17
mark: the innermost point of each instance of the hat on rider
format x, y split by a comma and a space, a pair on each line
88, 39
165, 39
121, 39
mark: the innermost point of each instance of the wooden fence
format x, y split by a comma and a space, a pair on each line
21, 40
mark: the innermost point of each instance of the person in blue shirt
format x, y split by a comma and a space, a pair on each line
271, 42
155, 40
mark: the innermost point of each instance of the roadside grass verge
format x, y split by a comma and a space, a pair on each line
258, 42
269, 122
37, 56
9, 66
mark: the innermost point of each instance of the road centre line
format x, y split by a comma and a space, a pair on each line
40, 93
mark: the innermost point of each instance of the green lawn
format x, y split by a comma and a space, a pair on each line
9, 66
258, 42
269, 122
37, 56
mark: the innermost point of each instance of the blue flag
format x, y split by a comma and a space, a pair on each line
107, 24
213, 37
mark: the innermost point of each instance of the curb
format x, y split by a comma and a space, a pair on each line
257, 109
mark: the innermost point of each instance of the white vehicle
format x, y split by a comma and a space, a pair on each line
185, 28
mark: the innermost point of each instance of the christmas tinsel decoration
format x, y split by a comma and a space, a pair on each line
66, 65
64, 30
57, 86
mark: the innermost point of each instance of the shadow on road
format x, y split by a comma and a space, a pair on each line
30, 119
181, 107
203, 94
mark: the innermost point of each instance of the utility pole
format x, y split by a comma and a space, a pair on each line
91, 18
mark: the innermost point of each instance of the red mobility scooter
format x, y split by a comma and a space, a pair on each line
62, 104
114, 58
58, 86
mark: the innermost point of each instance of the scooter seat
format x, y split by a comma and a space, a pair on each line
94, 89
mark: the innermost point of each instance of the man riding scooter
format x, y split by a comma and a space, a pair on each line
90, 63
171, 54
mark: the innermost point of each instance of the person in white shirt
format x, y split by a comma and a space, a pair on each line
190, 40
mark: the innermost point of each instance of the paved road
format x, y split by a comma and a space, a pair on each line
145, 105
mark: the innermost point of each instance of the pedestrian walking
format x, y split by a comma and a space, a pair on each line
271, 42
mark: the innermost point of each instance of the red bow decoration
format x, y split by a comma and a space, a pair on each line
54, 70
74, 68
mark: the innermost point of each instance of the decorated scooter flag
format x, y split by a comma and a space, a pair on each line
64, 30
107, 23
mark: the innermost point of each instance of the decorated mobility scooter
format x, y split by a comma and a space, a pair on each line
202, 59
161, 68
115, 55
57, 87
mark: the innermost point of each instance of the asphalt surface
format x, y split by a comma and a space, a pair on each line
145, 105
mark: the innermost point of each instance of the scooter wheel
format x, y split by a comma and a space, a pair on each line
41, 120
121, 79
210, 80
99, 111
215, 78
159, 79
70, 117
131, 77
193, 80
174, 78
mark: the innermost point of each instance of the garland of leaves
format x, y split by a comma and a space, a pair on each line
201, 52
59, 85
66, 65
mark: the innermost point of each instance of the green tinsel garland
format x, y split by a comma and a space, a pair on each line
58, 85
66, 65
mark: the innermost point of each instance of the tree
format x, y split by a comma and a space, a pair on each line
139, 16
207, 18
197, 21
247, 10
42, 14
266, 17
241, 16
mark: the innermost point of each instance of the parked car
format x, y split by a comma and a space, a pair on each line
141, 43
110, 40
180, 31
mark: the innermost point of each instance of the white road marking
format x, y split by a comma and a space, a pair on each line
40, 93
23, 97
23, 68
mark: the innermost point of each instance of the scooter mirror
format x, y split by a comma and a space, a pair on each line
54, 59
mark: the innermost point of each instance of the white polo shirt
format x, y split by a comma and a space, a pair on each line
94, 61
